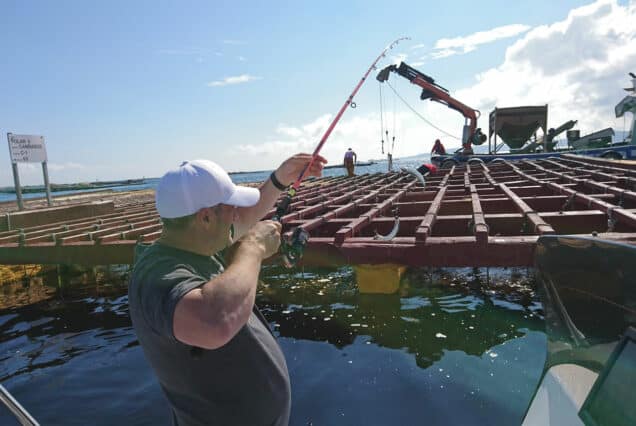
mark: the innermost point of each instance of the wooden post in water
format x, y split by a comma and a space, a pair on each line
16, 177
47, 186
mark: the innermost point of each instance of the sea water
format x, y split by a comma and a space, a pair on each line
450, 347
242, 177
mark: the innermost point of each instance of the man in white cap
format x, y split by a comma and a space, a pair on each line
213, 352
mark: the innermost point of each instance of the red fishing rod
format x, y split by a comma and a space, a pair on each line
292, 250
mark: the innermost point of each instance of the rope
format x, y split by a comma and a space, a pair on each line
621, 199
420, 116
569, 201
525, 225
611, 222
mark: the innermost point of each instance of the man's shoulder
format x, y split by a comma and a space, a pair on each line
146, 254
154, 261
157, 260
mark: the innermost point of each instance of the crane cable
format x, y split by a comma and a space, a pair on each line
381, 119
384, 131
420, 115
394, 109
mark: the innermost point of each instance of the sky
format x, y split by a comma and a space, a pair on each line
124, 90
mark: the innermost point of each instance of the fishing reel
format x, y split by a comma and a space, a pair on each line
292, 249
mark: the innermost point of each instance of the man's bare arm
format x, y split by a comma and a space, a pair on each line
287, 173
210, 316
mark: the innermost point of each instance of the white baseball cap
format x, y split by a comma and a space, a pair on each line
199, 184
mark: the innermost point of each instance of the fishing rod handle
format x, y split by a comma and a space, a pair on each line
281, 208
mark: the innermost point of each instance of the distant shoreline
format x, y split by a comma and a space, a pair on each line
336, 166
55, 187
125, 182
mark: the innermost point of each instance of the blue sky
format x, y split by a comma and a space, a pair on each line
130, 89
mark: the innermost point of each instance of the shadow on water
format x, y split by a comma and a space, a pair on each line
446, 338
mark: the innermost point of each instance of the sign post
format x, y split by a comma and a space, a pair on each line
28, 149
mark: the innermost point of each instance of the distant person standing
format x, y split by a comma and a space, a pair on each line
350, 158
438, 148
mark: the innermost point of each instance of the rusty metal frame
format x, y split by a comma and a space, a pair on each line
469, 215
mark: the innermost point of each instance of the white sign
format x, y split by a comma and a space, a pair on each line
27, 148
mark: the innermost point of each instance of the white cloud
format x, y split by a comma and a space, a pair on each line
459, 45
227, 81
288, 131
401, 57
234, 42
360, 132
56, 167
31, 173
444, 53
183, 51
577, 66
241, 58
199, 53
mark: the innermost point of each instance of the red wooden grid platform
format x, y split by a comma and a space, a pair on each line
470, 215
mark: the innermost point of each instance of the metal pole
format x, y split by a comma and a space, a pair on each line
18, 410
45, 171
16, 177
489, 137
495, 131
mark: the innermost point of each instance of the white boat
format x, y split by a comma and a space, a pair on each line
588, 290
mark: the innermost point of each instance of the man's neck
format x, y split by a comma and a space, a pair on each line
192, 242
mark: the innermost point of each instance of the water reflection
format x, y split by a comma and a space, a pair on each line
62, 324
427, 317
69, 343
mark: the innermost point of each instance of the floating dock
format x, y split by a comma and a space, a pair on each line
469, 215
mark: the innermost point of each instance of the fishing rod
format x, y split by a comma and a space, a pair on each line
293, 249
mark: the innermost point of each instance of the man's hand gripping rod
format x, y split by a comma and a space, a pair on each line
292, 250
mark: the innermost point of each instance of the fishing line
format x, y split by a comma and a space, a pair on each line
292, 250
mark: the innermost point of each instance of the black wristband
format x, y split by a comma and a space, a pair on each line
276, 182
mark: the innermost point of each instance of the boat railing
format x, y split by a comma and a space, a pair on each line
16, 408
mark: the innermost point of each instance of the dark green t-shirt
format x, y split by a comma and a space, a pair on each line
245, 382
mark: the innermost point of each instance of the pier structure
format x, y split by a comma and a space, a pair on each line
468, 215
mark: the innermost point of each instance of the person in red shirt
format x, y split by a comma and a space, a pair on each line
438, 148
427, 168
